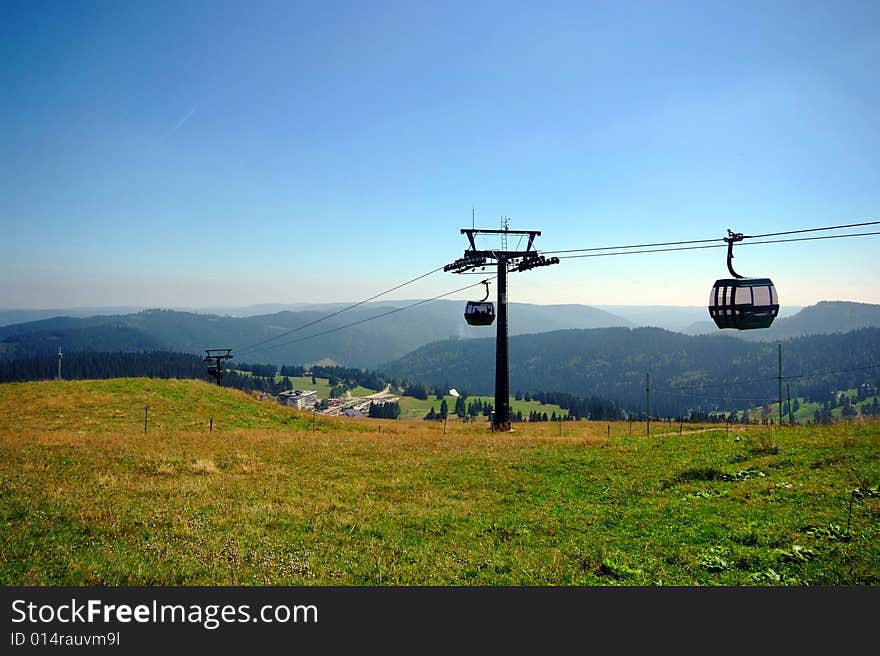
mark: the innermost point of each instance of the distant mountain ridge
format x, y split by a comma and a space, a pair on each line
367, 335
573, 349
10, 317
361, 337
823, 318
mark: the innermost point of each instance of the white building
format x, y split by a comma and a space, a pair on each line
298, 398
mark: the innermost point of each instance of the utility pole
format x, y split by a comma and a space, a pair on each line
648, 404
790, 414
507, 262
780, 384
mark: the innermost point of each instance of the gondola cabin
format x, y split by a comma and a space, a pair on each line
479, 313
743, 303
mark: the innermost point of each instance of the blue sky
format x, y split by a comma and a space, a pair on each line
191, 154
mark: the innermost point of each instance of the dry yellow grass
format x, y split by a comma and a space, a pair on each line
347, 503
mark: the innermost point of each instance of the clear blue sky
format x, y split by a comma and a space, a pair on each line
230, 153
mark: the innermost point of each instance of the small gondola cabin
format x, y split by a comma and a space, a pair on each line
479, 313
743, 303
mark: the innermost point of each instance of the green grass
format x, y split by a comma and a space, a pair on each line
526, 406
321, 385
91, 501
118, 406
412, 408
360, 390
807, 409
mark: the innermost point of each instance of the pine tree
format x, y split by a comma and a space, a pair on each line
460, 408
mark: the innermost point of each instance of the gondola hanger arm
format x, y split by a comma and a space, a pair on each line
486, 282
731, 239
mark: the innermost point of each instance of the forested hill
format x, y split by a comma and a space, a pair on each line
611, 363
363, 337
373, 332
822, 318
97, 365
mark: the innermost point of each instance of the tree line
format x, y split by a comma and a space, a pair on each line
145, 364
710, 374
95, 364
593, 408
384, 410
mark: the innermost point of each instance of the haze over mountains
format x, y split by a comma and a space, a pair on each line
822, 318
677, 318
686, 319
373, 333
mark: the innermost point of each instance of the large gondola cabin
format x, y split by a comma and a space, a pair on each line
739, 302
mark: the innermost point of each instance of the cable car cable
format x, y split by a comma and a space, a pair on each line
716, 239
612, 248
253, 347
793, 232
691, 248
590, 252
782, 241
378, 316
657, 250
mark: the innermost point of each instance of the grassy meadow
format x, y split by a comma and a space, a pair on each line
413, 408
273, 497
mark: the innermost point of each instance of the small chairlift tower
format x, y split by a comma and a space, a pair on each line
215, 358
